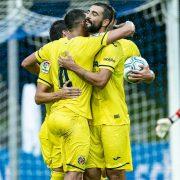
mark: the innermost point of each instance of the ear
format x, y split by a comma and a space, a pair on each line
105, 22
83, 23
65, 33
113, 22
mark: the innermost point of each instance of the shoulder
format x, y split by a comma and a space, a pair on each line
48, 45
126, 42
129, 48
78, 40
60, 41
112, 48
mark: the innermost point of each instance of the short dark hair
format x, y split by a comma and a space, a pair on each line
109, 11
56, 30
73, 17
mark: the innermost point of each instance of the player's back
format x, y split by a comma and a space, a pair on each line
83, 50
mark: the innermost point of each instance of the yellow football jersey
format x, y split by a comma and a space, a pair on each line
108, 105
83, 51
129, 48
43, 53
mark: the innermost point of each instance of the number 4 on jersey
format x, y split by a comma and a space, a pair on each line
63, 77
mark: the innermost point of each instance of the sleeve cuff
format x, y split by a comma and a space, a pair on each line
40, 80
38, 57
101, 66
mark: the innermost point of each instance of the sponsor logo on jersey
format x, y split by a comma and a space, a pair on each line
109, 60
116, 116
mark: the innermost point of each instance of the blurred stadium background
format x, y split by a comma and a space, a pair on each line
24, 28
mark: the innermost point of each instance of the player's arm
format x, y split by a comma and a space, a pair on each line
163, 125
30, 64
145, 75
98, 79
44, 91
93, 44
44, 95
109, 60
127, 29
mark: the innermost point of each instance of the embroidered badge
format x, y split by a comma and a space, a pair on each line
45, 66
81, 160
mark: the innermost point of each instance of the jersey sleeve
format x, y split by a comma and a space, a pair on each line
43, 54
134, 49
44, 74
110, 56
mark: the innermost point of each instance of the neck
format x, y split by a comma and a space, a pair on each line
74, 33
102, 29
78, 32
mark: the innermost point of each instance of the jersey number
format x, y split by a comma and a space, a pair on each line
63, 77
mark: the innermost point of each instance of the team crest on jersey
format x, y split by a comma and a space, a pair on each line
45, 66
81, 160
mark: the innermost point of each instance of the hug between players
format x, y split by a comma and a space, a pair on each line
86, 131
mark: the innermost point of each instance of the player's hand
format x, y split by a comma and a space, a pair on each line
67, 61
145, 75
162, 127
131, 25
69, 92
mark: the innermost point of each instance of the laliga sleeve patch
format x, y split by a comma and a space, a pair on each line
45, 66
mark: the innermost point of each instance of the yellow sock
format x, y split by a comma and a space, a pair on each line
57, 175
